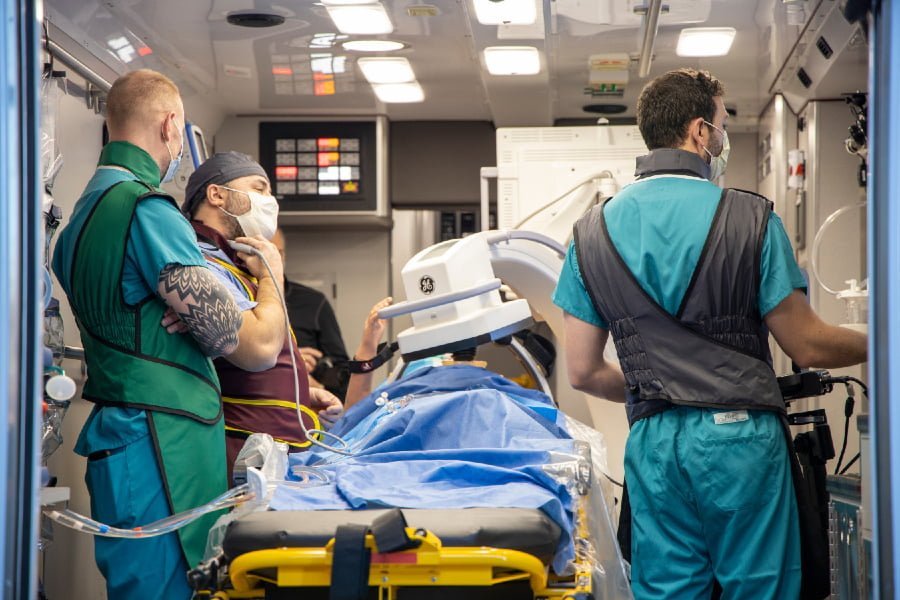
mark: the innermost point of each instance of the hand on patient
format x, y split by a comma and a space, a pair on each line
372, 331
328, 405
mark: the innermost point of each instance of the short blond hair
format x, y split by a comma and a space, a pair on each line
136, 98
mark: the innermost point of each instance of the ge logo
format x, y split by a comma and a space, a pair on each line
426, 284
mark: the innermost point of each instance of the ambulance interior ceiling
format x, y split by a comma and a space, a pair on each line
300, 66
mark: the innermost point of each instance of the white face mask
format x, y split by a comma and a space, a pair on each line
174, 161
261, 219
718, 164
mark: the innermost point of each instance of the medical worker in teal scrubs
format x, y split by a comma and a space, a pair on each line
154, 441
689, 279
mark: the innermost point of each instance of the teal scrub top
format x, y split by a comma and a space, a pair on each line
159, 236
659, 226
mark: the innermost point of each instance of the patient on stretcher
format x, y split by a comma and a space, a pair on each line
462, 437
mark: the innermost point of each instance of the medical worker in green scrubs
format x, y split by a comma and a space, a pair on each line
154, 440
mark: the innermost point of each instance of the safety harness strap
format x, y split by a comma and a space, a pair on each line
350, 564
351, 558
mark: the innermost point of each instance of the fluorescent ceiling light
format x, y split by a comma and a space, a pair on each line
705, 41
512, 60
386, 70
373, 46
510, 12
361, 19
399, 92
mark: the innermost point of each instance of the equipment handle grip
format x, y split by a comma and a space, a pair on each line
409, 306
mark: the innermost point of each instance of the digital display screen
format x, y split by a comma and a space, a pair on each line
313, 165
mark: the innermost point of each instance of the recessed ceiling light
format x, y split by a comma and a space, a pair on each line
254, 19
373, 46
360, 19
399, 92
507, 12
386, 70
512, 60
705, 41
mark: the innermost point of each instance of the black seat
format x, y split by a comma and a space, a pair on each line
527, 530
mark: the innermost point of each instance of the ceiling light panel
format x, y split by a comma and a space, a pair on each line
386, 70
360, 19
705, 41
510, 12
399, 92
373, 46
512, 60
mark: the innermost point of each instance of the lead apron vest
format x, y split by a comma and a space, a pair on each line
133, 362
264, 401
714, 351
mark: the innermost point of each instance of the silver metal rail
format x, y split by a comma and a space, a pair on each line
651, 24
66, 58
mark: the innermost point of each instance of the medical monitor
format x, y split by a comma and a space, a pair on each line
537, 165
324, 167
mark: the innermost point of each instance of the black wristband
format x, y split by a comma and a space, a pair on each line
385, 352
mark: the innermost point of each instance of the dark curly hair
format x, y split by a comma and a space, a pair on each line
671, 101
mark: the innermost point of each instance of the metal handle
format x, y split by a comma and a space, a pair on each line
404, 308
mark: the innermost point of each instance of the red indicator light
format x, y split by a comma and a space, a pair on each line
285, 173
328, 143
145, 51
282, 71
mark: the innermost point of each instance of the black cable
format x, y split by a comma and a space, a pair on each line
862, 386
848, 412
613, 481
851, 463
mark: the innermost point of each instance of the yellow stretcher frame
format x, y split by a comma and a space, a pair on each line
430, 564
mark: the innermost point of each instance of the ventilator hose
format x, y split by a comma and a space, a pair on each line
85, 524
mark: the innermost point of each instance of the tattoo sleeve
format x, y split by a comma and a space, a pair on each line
204, 306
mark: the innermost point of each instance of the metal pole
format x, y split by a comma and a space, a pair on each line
63, 56
884, 269
651, 24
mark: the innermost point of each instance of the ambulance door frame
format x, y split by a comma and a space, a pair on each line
20, 305
884, 278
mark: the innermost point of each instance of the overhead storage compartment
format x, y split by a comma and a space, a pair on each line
829, 59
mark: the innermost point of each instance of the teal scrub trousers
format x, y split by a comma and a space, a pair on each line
127, 491
712, 502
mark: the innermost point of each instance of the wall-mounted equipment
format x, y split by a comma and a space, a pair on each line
326, 167
539, 166
196, 144
857, 142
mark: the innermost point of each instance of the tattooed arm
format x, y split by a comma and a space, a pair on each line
204, 306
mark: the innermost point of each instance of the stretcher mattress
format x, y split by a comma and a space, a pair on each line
525, 530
